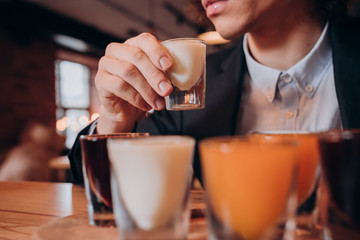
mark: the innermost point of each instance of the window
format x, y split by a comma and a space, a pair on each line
73, 97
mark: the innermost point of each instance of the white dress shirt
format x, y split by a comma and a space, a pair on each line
302, 98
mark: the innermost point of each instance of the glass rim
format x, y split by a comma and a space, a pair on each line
295, 134
93, 137
184, 39
150, 138
339, 134
279, 132
244, 139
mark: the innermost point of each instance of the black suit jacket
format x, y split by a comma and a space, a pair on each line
225, 74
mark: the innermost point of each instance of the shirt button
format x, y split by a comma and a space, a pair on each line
287, 78
309, 88
289, 115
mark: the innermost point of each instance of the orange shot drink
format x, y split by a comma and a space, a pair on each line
249, 186
307, 219
308, 158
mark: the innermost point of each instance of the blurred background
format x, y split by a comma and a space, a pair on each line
49, 50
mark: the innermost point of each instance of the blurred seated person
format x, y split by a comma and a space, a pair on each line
29, 160
294, 65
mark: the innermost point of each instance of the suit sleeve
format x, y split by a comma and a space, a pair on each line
75, 157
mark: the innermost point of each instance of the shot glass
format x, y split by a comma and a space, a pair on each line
308, 224
340, 164
187, 74
150, 180
96, 172
249, 187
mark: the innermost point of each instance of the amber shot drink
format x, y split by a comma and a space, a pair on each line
308, 158
249, 187
307, 219
96, 172
187, 75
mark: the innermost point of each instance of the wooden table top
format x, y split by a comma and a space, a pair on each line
26, 206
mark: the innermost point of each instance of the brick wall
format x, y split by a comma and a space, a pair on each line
27, 86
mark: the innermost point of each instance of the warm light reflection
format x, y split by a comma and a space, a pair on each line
94, 116
75, 124
212, 38
62, 124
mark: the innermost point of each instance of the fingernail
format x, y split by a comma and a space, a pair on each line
160, 104
165, 63
164, 87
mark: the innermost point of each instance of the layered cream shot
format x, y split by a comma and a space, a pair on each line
187, 74
151, 179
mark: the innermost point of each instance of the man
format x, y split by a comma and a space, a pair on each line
295, 67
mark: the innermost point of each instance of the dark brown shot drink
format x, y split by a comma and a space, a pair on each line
340, 162
96, 171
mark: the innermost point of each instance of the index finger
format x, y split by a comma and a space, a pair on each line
149, 57
157, 53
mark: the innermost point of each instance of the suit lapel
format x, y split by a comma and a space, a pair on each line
224, 84
345, 39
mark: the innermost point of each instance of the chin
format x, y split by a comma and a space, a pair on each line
230, 31
229, 34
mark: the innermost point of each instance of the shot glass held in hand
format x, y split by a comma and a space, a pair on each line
187, 74
96, 171
150, 181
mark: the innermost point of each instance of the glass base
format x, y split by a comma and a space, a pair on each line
185, 106
103, 220
186, 100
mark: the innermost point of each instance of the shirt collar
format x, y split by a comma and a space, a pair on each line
264, 77
310, 70
315, 63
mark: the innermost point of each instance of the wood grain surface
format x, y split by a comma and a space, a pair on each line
51, 211
28, 210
